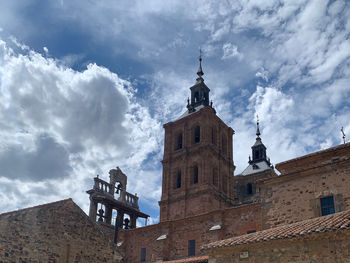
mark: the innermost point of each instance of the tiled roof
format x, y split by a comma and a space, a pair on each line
202, 259
330, 223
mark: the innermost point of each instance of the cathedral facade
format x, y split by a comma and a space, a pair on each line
203, 202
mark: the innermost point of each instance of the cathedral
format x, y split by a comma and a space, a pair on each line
207, 212
205, 207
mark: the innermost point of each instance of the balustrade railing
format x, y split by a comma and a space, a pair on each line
117, 193
132, 200
103, 186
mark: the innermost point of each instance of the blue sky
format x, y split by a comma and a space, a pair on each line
86, 86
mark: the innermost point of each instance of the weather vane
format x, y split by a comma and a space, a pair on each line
342, 131
200, 54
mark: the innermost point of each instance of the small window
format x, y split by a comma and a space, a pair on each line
179, 142
327, 205
197, 134
195, 174
251, 231
249, 189
191, 247
178, 180
143, 254
256, 155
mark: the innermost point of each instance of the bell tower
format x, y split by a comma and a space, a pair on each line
199, 91
197, 163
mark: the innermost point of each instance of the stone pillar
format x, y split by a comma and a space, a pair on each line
133, 218
120, 218
93, 209
108, 214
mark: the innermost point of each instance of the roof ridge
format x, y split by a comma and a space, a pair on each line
37, 206
340, 146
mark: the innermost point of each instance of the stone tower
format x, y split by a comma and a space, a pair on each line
197, 164
259, 167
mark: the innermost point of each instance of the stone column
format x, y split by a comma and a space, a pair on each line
93, 209
120, 218
133, 218
108, 214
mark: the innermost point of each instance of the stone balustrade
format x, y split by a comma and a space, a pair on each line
107, 188
102, 186
132, 200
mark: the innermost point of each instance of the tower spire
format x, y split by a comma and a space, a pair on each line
199, 91
258, 149
257, 126
200, 71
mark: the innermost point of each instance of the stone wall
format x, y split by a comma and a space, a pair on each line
331, 247
232, 222
56, 232
295, 195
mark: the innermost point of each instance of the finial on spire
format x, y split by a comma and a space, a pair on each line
342, 131
257, 126
200, 71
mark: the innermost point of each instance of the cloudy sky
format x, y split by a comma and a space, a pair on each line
86, 86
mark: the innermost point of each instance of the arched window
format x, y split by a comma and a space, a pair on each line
179, 142
196, 96
195, 174
249, 188
197, 134
178, 180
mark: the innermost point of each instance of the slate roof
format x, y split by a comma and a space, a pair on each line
260, 166
201, 259
186, 113
329, 223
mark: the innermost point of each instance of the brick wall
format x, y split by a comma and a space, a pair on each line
213, 152
233, 221
321, 248
55, 232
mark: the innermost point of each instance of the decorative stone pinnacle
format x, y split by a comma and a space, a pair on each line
342, 131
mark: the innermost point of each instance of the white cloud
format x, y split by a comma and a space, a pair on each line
59, 127
230, 51
46, 50
262, 73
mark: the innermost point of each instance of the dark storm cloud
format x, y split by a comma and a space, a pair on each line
49, 160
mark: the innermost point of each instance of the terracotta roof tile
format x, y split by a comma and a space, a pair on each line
334, 222
201, 259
